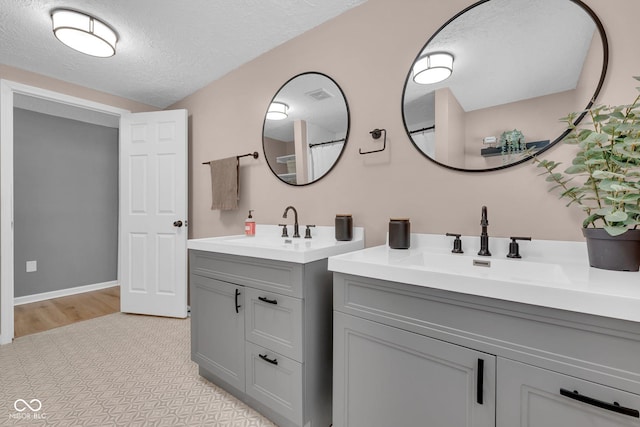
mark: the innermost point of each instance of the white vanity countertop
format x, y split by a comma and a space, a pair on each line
551, 273
268, 244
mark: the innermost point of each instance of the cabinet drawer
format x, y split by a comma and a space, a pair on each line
275, 381
275, 322
269, 275
529, 396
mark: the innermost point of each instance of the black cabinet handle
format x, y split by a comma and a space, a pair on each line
614, 407
266, 359
270, 301
480, 382
237, 305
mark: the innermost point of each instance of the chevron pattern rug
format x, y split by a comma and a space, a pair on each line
115, 370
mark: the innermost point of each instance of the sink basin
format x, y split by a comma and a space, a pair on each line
511, 270
269, 245
552, 274
286, 243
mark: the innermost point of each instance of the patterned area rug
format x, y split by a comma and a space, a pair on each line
115, 370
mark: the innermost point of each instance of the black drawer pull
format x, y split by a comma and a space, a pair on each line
614, 407
480, 382
237, 305
266, 359
270, 301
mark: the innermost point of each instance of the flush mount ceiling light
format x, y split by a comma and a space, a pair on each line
277, 111
433, 68
84, 33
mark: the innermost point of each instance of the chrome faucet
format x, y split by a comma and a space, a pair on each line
484, 237
296, 231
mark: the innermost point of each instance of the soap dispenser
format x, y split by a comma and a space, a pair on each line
250, 225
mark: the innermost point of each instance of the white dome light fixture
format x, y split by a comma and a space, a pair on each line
433, 68
84, 33
277, 111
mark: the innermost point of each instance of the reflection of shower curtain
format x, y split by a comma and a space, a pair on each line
323, 157
426, 141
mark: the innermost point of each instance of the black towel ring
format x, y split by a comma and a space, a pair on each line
376, 134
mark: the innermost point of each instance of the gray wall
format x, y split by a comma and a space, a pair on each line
65, 202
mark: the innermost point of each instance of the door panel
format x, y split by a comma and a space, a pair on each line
153, 187
384, 376
217, 329
529, 396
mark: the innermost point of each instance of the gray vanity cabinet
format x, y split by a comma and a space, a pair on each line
408, 355
391, 377
261, 329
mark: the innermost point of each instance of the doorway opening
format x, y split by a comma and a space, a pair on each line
11, 95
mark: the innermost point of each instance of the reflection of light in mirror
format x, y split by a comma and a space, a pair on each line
277, 111
433, 68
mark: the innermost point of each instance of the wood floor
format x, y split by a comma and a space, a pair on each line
44, 315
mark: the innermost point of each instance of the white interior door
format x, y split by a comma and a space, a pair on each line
153, 213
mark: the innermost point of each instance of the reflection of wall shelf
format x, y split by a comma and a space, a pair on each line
288, 177
285, 159
497, 151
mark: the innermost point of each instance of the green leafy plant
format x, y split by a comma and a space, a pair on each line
607, 162
511, 141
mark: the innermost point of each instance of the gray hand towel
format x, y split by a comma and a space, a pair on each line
224, 184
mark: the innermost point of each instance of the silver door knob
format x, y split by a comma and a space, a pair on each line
177, 223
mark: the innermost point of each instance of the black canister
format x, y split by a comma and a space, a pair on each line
399, 233
344, 227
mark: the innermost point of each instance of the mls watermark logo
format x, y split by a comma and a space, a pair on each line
28, 410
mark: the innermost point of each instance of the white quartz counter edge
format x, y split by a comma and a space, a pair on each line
591, 291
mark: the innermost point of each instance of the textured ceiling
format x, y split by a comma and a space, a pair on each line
166, 49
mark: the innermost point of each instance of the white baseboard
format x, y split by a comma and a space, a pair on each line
63, 292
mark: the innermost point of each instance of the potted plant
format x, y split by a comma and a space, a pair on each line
511, 141
604, 180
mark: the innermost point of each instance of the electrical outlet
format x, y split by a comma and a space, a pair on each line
32, 266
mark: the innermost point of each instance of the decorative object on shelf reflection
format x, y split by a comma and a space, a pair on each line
489, 140
376, 134
607, 161
511, 142
433, 68
84, 33
255, 155
277, 111
528, 147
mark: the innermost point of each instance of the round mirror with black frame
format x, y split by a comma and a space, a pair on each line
306, 128
491, 85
